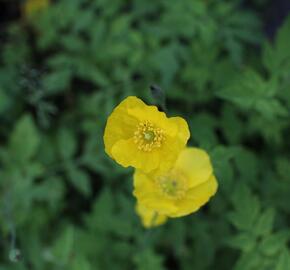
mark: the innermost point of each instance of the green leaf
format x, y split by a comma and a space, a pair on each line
24, 139
283, 168
245, 89
80, 179
73, 43
270, 108
67, 143
51, 191
251, 91
57, 81
247, 209
221, 157
249, 261
265, 222
244, 241
63, 246
4, 101
274, 243
81, 263
148, 260
283, 261
247, 165
276, 58
166, 61
101, 217
202, 128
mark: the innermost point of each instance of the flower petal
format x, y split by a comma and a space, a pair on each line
120, 125
142, 183
159, 203
196, 197
204, 191
154, 116
126, 153
183, 130
195, 163
147, 194
150, 218
173, 146
184, 208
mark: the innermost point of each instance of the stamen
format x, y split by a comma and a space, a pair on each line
147, 136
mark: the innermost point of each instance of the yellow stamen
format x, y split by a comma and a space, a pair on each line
147, 136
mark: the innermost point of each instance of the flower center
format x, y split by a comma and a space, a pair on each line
173, 184
147, 136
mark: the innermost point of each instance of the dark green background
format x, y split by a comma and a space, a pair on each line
225, 67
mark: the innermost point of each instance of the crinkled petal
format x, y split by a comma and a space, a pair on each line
196, 197
204, 191
126, 153
150, 218
185, 207
195, 163
159, 203
173, 146
168, 155
155, 117
120, 125
183, 130
142, 183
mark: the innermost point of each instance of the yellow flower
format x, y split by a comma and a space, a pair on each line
180, 191
149, 217
140, 136
31, 7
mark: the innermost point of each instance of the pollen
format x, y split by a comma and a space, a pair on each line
148, 137
173, 185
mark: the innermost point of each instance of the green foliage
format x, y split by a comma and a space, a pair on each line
148, 260
24, 140
63, 72
256, 239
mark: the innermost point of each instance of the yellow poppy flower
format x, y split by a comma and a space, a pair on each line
149, 217
140, 136
31, 7
180, 191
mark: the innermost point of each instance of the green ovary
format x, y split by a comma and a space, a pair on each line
149, 136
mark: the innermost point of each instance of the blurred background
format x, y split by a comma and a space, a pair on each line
64, 65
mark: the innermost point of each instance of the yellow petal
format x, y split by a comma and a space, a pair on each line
159, 203
185, 207
173, 146
150, 218
183, 130
143, 185
148, 194
195, 163
168, 155
204, 191
196, 197
120, 125
126, 153
154, 116
142, 182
